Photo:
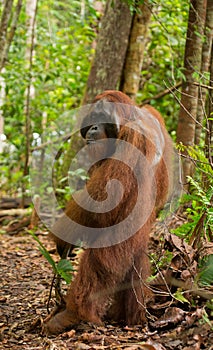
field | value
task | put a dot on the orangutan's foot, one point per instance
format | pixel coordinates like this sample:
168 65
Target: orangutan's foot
60 323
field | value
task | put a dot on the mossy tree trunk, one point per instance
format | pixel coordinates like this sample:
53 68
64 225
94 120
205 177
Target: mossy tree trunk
134 58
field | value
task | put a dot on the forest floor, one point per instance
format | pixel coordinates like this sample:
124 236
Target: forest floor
25 280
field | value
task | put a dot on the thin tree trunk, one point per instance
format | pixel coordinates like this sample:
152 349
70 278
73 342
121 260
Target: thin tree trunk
135 53
12 31
1 133
2 100
31 9
10 35
209 132
5 18
206 54
192 65
111 49
5 42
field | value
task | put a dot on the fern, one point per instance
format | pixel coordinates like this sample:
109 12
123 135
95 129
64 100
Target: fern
200 197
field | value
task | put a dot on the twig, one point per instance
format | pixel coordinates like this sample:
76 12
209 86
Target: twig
185 109
203 86
161 94
57 282
193 288
43 145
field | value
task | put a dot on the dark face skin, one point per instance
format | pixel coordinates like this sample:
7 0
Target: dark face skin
96 132
99 145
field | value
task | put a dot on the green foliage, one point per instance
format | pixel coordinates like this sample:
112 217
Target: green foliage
63 268
179 295
66 188
205 276
199 201
133 5
62 56
205 317
163 60
162 261
199 205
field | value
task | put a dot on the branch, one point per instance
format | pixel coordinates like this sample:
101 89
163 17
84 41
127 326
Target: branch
203 86
43 145
161 94
169 90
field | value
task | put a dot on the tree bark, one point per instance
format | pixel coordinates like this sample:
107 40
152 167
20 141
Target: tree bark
5 18
31 11
206 54
192 65
11 33
209 132
111 49
135 53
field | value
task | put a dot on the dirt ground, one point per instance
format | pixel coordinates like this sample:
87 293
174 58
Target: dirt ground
25 279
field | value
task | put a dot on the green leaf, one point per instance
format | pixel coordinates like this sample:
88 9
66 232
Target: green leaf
206 275
44 252
206 319
48 257
65 270
178 295
64 265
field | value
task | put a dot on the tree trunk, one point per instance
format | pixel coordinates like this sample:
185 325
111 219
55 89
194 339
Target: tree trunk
5 18
111 49
5 42
134 59
206 54
1 133
209 132
192 65
31 10
2 100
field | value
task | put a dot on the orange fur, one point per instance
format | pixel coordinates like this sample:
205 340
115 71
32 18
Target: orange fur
111 281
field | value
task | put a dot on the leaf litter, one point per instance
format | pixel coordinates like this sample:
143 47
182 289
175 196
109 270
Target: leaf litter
178 319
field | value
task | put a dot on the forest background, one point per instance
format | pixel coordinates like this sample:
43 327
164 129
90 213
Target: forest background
57 55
